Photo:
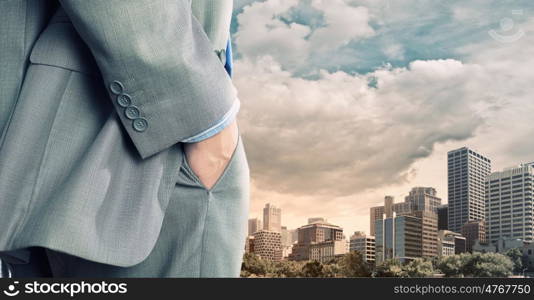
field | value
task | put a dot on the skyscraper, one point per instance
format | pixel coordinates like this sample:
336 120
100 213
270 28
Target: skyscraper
467 171
376 213
425 203
287 241
423 199
422 203
509 204
272 218
254 225
398 237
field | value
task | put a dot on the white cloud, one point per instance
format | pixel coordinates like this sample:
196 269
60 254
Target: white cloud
263 32
340 136
335 145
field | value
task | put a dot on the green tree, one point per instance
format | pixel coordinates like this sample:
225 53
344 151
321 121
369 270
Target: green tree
254 266
389 268
332 269
451 265
287 268
352 264
488 265
418 267
516 256
313 269
476 265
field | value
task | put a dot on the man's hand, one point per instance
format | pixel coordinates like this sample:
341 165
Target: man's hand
208 158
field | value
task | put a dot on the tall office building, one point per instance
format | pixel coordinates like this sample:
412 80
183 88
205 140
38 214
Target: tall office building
509 204
421 202
429 232
364 244
268 245
388 206
424 205
376 213
474 231
287 241
467 171
398 237
387 210
254 225
423 199
315 233
272 218
443 217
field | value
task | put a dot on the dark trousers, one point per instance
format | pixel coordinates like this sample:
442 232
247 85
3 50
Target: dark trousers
38 266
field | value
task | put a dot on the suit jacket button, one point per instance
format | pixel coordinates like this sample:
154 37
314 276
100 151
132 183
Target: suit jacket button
132 112
140 124
124 100
116 87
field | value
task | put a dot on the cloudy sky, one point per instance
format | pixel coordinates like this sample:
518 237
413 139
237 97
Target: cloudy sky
345 101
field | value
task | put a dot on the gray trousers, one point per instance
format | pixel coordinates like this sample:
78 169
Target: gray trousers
203 233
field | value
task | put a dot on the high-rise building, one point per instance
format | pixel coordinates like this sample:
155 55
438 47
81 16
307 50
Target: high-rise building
402 208
294 235
421 202
467 171
287 241
286 237
474 231
272 218
424 204
314 233
364 244
254 225
423 199
387 210
398 237
268 245
509 204
388 206
376 213
443 217
316 219
429 232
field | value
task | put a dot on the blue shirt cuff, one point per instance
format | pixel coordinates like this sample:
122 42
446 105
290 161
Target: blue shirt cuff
223 123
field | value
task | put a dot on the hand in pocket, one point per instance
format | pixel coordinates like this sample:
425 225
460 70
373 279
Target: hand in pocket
209 158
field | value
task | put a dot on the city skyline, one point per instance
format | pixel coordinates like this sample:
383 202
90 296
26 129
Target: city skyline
334 119
396 200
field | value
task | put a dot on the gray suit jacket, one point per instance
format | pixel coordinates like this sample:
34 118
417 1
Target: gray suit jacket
94 99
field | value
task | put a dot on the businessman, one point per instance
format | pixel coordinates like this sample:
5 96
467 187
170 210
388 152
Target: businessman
120 152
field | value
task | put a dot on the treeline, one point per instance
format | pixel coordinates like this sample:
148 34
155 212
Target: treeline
353 265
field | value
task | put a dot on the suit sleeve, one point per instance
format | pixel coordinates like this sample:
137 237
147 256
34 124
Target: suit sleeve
158 65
